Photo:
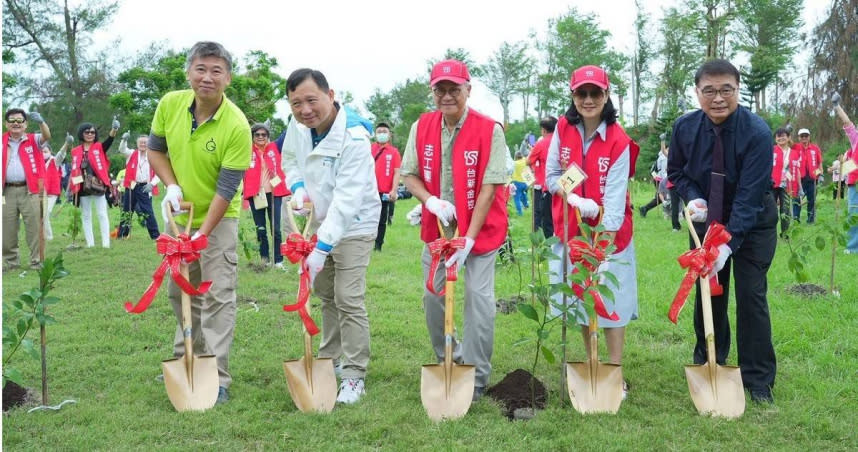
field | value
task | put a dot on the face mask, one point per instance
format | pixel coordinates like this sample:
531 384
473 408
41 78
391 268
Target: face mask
382 137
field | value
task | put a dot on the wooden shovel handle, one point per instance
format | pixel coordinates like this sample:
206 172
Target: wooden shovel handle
184 205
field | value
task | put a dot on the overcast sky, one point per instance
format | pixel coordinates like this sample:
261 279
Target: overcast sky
369 44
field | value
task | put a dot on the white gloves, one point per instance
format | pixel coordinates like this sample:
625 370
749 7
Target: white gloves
299 196
444 210
172 198
126 135
724 252
587 207
315 262
69 138
835 99
461 255
115 125
699 209
36 117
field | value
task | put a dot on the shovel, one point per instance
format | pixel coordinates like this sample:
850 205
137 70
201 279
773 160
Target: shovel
191 381
715 389
312 382
446 389
594 387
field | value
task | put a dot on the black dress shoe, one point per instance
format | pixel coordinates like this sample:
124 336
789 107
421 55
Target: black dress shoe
761 395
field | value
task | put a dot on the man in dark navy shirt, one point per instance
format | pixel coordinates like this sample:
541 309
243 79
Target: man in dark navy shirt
747 210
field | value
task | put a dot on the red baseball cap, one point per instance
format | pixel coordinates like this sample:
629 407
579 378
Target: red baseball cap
452 70
593 75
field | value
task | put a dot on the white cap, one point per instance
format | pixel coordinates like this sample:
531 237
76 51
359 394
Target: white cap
803 132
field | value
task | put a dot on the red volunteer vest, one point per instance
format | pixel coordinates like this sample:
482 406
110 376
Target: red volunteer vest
600 158
97 161
53 175
812 159
253 175
387 161
470 157
537 158
31 160
131 171
777 166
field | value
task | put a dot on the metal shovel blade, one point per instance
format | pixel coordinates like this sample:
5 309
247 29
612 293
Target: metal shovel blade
717 391
595 387
446 393
194 391
312 383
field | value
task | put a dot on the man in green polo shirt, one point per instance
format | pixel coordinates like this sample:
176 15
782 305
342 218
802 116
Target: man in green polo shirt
201 141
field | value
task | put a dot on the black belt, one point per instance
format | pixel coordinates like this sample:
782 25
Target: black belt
15 184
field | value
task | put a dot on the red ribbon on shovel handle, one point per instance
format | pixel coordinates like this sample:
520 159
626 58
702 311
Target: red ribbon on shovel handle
699 262
445 248
296 248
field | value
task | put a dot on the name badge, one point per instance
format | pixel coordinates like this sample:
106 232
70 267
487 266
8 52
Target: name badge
275 181
572 178
260 201
133 184
848 167
77 180
527 176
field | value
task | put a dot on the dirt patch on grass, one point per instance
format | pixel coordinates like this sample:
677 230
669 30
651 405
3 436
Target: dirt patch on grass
14 395
508 305
514 392
806 290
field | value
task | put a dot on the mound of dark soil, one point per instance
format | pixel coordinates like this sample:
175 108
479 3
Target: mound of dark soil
513 391
13 395
508 305
806 289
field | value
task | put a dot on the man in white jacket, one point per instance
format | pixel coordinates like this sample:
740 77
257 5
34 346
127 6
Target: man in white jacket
328 162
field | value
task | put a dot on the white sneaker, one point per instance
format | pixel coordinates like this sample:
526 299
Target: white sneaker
279 266
351 390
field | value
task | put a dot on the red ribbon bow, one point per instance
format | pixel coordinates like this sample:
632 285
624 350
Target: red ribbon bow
175 250
443 248
698 262
579 251
296 248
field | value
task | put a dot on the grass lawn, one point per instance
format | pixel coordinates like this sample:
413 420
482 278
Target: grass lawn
107 361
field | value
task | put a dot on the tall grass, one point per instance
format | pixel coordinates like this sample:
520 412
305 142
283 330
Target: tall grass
107 360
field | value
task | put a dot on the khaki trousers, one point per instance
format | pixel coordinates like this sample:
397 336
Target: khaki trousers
479 311
341 285
212 314
19 202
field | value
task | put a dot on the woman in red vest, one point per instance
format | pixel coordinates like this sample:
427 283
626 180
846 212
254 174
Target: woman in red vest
264 180
781 175
87 159
589 136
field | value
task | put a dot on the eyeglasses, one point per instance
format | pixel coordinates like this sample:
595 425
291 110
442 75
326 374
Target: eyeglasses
441 92
725 92
582 95
16 121
89 132
263 135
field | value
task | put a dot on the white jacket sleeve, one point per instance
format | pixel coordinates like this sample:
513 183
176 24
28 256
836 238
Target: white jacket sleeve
354 179
552 164
288 157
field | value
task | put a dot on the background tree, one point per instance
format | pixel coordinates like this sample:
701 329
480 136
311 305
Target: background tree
768 30
715 17
401 107
682 52
507 73
71 80
643 56
462 55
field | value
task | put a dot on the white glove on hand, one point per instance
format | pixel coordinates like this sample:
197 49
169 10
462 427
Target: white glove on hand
126 135
147 188
315 262
69 138
444 210
835 99
115 125
36 117
587 207
461 255
724 252
171 200
298 199
699 210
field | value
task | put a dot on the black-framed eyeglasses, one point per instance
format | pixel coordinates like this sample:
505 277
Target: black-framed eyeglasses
16 120
89 132
441 92
595 94
725 92
261 134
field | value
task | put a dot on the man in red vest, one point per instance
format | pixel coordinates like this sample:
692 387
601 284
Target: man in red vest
23 178
140 184
541 195
455 164
811 169
387 162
